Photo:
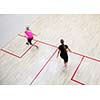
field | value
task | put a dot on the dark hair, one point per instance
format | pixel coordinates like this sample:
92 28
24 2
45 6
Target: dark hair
27 28
62 41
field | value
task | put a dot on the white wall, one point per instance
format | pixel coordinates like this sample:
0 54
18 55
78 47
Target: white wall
12 24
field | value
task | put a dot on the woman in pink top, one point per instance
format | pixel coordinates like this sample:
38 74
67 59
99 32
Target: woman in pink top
29 36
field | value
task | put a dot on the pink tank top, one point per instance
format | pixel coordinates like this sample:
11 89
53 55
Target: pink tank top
29 34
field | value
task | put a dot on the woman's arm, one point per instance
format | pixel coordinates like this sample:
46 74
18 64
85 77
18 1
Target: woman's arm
58 53
22 35
69 50
34 34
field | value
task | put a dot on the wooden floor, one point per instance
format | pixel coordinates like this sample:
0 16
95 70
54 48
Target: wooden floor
27 65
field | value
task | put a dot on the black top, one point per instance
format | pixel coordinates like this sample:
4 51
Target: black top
63 48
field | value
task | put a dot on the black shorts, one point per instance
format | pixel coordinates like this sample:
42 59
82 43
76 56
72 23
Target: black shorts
64 57
30 40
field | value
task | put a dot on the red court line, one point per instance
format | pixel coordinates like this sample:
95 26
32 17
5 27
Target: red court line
78 82
10 53
40 41
43 66
27 50
76 71
17 55
70 52
86 56
46 43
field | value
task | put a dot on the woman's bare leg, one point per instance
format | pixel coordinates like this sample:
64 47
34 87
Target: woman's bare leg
65 63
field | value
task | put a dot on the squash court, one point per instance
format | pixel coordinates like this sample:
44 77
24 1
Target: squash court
21 64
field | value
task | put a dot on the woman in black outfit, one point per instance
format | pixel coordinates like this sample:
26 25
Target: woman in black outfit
63 52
